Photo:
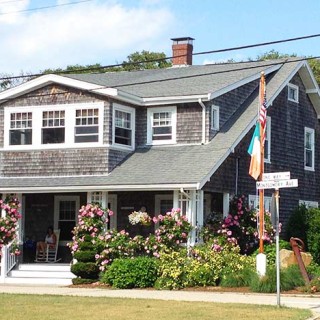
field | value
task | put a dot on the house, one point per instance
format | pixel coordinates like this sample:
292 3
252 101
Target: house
162 138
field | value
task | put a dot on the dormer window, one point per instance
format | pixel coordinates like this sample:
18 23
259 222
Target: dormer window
162 125
293 92
214 117
123 126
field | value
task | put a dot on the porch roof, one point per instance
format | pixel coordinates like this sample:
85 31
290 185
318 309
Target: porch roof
166 167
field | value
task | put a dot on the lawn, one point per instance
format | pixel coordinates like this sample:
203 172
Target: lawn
36 307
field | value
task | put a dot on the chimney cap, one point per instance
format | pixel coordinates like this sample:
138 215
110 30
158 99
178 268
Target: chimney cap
182 40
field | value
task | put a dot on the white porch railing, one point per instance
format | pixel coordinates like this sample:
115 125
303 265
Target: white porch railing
8 261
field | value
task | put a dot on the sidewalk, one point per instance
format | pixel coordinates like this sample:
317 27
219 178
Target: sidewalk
293 301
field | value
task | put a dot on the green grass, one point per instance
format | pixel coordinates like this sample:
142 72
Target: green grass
36 307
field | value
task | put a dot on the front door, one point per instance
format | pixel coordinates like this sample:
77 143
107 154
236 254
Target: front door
66 210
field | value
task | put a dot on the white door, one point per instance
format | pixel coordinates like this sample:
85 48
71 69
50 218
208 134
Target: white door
66 210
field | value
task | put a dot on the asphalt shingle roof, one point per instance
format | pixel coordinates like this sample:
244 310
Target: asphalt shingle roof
187 164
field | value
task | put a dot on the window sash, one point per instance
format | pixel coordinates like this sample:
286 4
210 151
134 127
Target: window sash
123 126
86 125
162 125
309 148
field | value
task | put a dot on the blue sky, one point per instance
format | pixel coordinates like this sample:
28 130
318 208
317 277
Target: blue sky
107 31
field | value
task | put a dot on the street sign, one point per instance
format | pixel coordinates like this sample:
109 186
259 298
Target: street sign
276 176
273 184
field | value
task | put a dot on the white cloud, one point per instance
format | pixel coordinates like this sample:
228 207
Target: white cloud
82 34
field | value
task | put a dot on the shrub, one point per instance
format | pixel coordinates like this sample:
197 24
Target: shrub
140 272
297 224
289 279
85 270
313 270
242 278
203 267
313 233
78 281
85 256
240 226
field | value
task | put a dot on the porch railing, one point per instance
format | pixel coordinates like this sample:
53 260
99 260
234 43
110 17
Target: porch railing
8 261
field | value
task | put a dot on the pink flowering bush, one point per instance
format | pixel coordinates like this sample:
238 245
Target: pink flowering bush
9 223
84 246
240 226
173 229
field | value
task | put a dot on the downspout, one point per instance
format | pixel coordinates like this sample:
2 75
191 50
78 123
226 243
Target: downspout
203 140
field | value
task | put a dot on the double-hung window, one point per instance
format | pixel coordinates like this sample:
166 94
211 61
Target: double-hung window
53 127
293 92
309 149
123 126
20 128
162 125
214 117
87 125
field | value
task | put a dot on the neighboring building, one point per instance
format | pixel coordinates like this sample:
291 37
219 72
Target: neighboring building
162 138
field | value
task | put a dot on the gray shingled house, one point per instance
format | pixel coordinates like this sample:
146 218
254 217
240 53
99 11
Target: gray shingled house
162 138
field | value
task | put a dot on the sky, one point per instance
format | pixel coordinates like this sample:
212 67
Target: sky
107 31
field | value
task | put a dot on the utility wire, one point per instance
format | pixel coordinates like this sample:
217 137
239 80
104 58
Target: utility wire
172 78
42 8
166 58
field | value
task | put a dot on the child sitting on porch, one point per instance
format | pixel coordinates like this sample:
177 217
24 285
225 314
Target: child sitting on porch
50 239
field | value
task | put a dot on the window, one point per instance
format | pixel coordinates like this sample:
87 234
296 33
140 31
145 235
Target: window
308 149
267 142
293 92
43 127
87 125
123 126
20 128
53 130
162 125
254 202
309 204
214 117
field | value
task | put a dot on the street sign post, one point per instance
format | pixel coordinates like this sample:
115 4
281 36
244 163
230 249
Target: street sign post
276 180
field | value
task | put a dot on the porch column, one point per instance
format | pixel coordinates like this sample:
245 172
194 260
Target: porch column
176 199
3 254
20 231
226 203
200 212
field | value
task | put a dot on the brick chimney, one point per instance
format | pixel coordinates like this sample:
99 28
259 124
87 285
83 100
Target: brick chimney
182 51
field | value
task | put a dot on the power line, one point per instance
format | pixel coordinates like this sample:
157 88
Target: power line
176 78
166 58
42 8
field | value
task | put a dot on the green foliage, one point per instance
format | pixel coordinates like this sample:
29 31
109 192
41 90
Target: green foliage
290 278
313 270
270 250
85 256
314 285
315 66
78 281
86 270
272 55
140 272
242 278
203 267
297 224
313 233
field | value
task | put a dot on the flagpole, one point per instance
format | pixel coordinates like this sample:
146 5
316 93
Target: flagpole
261 191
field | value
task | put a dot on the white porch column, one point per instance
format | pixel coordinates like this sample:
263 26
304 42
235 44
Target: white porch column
176 199
226 203
3 256
20 231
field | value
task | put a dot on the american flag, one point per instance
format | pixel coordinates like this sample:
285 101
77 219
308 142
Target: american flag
263 110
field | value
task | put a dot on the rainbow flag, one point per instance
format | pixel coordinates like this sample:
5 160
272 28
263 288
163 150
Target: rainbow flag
255 151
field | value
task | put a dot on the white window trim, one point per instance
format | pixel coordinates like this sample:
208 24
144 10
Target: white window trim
309 204
310 130
296 88
132 111
268 137
70 116
215 125
150 113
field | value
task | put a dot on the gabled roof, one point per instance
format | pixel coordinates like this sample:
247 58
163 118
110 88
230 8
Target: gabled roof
175 167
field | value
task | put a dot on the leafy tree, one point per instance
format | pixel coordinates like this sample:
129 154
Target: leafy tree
315 66
273 55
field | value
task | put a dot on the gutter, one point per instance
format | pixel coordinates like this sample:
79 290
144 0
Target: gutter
203 140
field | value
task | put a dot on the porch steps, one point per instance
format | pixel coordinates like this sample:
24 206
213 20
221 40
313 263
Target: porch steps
41 273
